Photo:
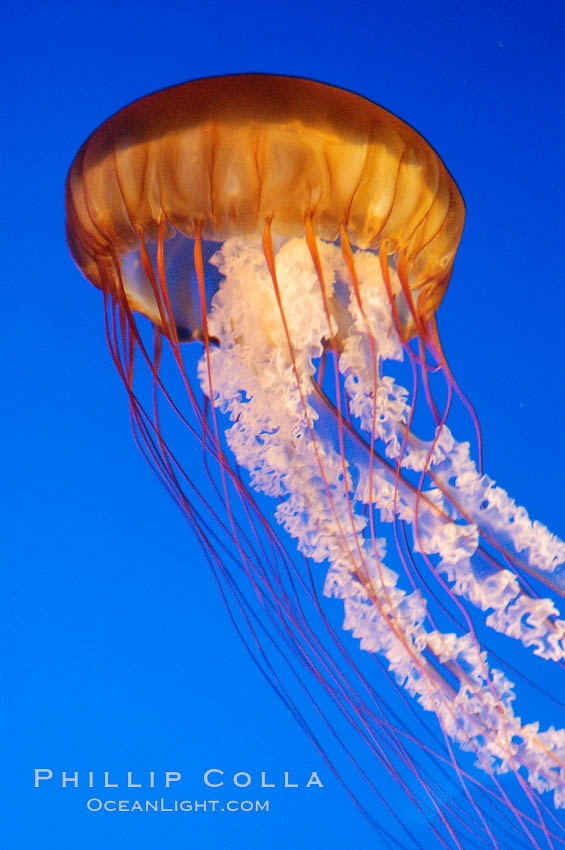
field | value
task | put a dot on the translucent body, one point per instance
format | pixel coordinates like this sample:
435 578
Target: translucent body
305 236
230 153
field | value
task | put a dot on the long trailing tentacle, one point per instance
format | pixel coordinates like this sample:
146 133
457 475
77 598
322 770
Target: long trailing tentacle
289 431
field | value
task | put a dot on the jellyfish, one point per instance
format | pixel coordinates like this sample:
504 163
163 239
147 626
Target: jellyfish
272 252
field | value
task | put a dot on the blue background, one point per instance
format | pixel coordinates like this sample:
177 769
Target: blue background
119 654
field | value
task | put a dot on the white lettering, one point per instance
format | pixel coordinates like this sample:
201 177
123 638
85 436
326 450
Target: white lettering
73 778
314 780
246 781
288 784
264 783
41 774
171 776
107 783
94 804
207 778
131 783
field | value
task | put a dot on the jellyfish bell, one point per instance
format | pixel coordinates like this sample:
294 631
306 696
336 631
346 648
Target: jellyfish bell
225 156
305 238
